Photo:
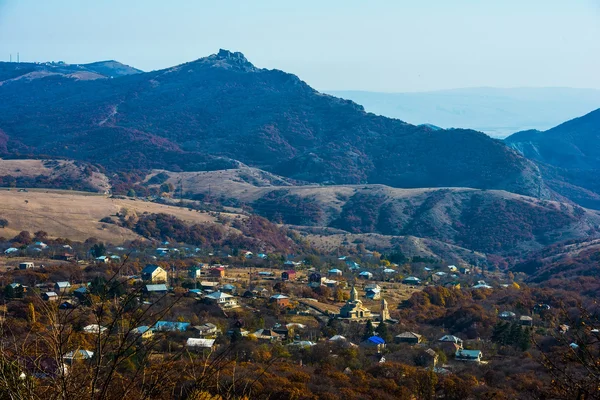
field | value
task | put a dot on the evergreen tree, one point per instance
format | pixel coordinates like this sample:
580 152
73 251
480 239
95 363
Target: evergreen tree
500 333
525 342
382 331
9 292
369 330
515 334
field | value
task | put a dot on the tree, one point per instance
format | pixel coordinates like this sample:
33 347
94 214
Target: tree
9 292
131 193
3 223
382 331
369 330
98 250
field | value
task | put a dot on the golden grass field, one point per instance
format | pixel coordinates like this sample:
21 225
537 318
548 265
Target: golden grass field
76 215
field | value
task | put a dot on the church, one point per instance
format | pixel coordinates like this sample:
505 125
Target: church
354 309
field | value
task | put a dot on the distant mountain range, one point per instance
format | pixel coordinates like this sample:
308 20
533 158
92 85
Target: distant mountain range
10 72
568 156
218 110
496 111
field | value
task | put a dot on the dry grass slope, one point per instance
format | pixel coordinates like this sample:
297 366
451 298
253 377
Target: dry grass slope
76 215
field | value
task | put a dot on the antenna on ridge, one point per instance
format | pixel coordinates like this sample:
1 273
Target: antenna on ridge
10 57
18 57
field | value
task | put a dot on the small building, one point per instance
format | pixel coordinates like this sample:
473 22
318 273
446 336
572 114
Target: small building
143 332
207 285
168 326
221 299
267 334
78 355
507 315
102 259
373 292
62 286
526 320
374 342
408 337
289 275
411 280
482 285
26 265
65 257
280 299
153 273
468 355
218 272
159 288
452 268
50 296
229 288
465 271
194 272
365 275
451 339
207 329
334 272
94 328
200 344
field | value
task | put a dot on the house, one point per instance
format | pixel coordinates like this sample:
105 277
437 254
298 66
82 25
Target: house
207 285
541 307
154 273
94 328
200 344
194 272
334 272
482 285
160 288
330 283
507 315
280 299
194 293
78 355
450 339
289 275
365 275
408 337
62 286
374 342
102 259
11 250
206 329
218 272
452 268
143 332
168 326
221 299
430 357
228 288
465 271
352 265
373 292
267 334
526 320
81 292
26 265
67 305
468 355
389 271
65 257
411 280
49 296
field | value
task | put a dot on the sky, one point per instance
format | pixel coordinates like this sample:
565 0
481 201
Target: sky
374 45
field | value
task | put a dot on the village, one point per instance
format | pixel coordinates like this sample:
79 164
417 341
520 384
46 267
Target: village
261 298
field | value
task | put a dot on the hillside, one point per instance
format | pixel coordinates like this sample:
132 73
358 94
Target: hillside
25 72
568 156
76 215
498 112
484 220
52 174
214 112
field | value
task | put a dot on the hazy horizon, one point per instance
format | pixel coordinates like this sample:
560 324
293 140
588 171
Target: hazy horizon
390 46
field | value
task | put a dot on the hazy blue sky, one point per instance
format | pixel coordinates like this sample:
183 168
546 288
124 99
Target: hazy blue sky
381 45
